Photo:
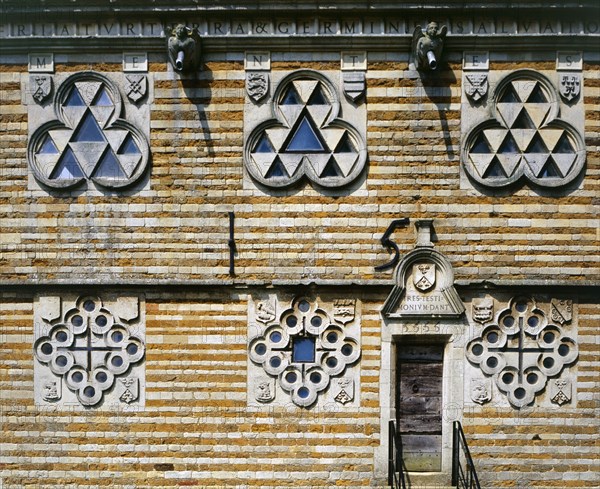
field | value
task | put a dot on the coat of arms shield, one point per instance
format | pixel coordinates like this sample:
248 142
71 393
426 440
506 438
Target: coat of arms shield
424 276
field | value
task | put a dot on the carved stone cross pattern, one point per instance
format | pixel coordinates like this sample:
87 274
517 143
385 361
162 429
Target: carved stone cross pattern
522 350
89 349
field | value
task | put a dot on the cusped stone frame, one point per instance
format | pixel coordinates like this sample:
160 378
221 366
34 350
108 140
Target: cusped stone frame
525 139
304 350
88 140
90 349
305 137
521 350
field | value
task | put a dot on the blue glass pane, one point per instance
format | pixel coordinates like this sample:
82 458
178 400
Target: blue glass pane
88 131
305 139
264 145
129 147
331 169
509 96
102 98
67 168
303 392
318 97
277 170
74 99
508 146
345 145
537 145
495 170
48 148
564 145
537 96
291 97
523 121
303 350
549 171
481 145
109 167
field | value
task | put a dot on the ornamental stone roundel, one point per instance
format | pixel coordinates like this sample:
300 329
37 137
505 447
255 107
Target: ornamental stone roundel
304 350
525 138
521 350
88 140
305 137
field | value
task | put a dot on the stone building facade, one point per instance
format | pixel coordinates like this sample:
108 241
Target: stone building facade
238 238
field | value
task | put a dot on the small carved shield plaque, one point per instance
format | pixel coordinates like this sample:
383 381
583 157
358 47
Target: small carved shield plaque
354 84
424 276
570 86
41 87
562 311
265 312
481 390
476 86
343 390
560 391
257 85
265 390
483 310
344 310
128 389
136 87
52 390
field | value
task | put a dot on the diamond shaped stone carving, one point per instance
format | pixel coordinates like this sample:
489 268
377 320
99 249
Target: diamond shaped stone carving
522 351
88 141
526 139
304 349
306 137
88 349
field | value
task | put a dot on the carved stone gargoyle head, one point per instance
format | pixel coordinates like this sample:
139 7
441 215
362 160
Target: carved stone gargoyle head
427 46
184 49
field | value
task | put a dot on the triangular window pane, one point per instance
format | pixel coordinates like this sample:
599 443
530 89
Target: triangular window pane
331 169
264 145
305 139
537 96
523 121
564 146
537 145
495 170
550 170
48 147
291 97
277 170
67 167
508 146
345 145
102 98
481 145
509 96
109 167
88 131
129 147
318 97
74 99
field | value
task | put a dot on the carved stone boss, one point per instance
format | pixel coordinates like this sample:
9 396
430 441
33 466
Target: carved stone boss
521 351
90 349
305 351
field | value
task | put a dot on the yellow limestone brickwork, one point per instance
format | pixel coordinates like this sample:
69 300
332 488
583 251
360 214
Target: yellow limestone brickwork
196 428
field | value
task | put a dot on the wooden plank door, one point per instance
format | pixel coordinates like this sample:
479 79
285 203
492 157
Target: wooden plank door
419 405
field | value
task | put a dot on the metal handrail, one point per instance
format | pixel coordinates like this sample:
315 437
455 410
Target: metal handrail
463 478
396 478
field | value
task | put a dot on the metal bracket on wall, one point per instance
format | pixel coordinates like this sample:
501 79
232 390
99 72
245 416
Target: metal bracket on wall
386 242
231 244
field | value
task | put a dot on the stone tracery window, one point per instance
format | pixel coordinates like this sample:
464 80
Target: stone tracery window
87 139
305 350
305 137
89 349
526 137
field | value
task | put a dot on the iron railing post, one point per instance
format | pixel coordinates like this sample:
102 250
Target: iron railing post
455 454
